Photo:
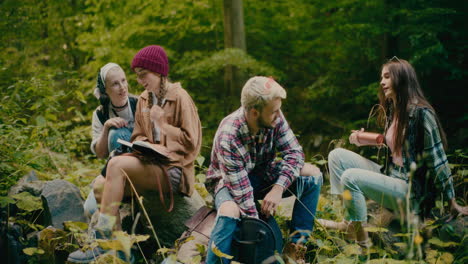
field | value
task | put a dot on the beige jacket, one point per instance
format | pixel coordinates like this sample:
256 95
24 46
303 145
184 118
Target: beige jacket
183 135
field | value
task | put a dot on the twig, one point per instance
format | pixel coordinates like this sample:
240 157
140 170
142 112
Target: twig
140 201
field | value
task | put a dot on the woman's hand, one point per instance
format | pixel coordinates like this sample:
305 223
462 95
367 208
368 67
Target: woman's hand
456 209
353 137
157 114
116 122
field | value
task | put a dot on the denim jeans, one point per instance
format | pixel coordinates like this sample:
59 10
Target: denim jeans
363 179
90 205
306 189
118 133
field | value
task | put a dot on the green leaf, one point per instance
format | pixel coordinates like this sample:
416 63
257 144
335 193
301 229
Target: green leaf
200 160
75 226
4 201
80 96
201 178
436 241
321 162
41 121
375 229
27 202
165 250
218 252
33 251
352 249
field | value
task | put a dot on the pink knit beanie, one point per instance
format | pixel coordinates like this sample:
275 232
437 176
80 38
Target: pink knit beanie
152 58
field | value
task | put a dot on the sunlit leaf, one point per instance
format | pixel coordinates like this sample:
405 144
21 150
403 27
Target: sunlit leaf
352 249
375 229
218 252
321 162
436 241
196 260
400 244
200 160
75 226
27 201
33 251
201 178
165 250
201 249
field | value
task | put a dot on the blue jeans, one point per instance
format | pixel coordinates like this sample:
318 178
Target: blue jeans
90 205
118 133
306 189
362 178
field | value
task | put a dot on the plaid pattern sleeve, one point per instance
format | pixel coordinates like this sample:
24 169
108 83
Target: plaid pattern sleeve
235 176
435 155
290 153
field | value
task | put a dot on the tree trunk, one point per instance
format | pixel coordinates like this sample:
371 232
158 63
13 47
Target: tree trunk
234 37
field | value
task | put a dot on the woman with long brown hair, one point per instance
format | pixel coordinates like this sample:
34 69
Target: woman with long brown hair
417 164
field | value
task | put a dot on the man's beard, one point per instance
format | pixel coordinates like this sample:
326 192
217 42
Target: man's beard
263 124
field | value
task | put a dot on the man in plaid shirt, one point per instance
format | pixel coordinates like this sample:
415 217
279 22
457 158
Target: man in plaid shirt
256 156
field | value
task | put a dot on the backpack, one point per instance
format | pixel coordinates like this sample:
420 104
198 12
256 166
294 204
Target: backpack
103 112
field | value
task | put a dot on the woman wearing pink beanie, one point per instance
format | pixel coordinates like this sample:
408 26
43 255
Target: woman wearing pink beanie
165 117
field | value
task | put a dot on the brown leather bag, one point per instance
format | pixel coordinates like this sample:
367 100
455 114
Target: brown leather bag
199 227
202 221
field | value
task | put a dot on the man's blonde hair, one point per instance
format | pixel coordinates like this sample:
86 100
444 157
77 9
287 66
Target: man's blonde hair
259 90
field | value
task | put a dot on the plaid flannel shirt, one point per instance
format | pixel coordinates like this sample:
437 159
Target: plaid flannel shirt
433 150
434 154
236 155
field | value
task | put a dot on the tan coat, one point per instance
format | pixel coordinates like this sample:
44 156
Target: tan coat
183 135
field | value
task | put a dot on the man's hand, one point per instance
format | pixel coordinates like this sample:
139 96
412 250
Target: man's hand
272 200
456 210
116 122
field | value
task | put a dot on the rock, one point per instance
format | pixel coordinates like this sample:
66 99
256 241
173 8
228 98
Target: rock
455 230
62 202
168 226
12 252
28 183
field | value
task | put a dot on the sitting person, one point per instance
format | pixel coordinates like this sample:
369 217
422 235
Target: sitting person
165 116
245 168
416 141
112 120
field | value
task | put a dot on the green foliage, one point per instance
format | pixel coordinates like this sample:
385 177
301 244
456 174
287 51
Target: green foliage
27 202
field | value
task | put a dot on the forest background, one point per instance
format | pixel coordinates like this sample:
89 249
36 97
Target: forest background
327 54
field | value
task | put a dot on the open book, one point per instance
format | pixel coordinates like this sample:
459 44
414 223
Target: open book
146 148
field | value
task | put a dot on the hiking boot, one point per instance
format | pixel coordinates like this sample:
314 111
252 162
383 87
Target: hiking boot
365 246
294 253
89 255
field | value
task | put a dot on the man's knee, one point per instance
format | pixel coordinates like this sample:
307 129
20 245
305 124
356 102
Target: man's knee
229 208
309 170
